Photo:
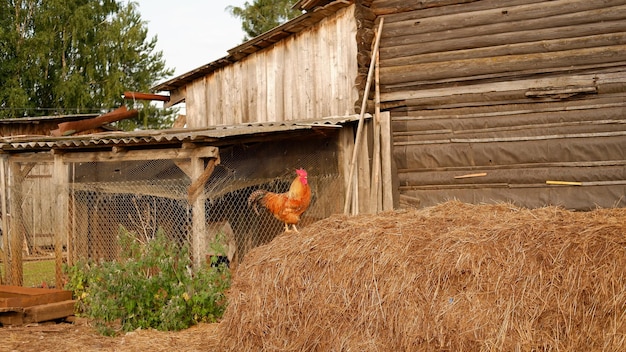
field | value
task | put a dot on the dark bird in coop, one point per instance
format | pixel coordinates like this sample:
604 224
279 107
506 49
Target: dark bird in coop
286 207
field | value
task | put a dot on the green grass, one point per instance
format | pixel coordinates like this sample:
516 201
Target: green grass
36 272
39 271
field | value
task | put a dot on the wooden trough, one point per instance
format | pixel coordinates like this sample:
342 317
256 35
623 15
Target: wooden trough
23 305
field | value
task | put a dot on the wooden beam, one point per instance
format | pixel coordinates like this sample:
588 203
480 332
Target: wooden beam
146 96
134 155
197 186
176 96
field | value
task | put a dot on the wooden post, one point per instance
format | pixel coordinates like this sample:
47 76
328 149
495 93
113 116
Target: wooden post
387 154
198 216
6 259
368 84
376 185
60 181
16 226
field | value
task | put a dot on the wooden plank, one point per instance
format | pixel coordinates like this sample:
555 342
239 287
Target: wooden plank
50 311
132 155
363 178
386 167
18 296
376 184
13 316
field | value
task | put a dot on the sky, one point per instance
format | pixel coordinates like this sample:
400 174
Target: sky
191 33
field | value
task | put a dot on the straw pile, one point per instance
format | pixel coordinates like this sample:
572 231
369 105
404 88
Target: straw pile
454 277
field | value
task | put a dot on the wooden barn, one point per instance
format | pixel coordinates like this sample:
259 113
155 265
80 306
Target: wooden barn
477 100
520 101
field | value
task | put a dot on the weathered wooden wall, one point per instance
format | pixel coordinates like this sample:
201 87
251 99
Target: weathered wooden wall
524 91
308 75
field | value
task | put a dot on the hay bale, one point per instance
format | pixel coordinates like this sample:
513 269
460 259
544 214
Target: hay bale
454 277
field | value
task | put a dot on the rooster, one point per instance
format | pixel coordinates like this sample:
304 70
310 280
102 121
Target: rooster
286 207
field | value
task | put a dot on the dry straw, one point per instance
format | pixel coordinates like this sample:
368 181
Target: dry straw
454 277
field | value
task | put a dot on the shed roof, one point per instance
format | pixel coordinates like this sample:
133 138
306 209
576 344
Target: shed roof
216 136
260 42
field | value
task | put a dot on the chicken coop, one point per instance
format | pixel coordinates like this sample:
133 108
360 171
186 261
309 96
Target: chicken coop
191 186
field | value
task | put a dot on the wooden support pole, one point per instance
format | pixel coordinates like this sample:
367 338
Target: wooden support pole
60 180
6 259
387 155
357 142
16 226
198 216
376 185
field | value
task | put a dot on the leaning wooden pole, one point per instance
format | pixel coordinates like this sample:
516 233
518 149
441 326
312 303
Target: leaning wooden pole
357 142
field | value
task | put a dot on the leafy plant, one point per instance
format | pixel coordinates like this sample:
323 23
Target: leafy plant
151 285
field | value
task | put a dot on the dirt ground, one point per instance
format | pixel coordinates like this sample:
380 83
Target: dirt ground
81 336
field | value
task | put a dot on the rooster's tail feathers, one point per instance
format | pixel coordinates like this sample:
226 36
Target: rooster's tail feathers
255 197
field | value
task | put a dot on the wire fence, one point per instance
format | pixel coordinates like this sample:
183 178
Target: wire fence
148 197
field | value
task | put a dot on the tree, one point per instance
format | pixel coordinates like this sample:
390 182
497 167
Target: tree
75 56
263 15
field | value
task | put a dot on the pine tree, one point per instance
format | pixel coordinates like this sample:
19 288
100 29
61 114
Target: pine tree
75 56
263 15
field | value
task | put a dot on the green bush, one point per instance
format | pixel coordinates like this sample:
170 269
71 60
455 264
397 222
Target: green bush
151 285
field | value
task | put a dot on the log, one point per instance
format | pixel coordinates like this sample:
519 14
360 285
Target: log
607 82
585 40
393 6
469 68
512 16
459 7
497 30
146 96
389 52
72 127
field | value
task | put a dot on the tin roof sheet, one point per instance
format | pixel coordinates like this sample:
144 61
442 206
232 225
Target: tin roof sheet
212 135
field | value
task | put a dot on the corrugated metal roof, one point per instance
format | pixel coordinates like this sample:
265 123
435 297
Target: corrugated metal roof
215 135
258 43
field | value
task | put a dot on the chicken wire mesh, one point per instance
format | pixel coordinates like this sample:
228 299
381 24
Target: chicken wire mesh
145 197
